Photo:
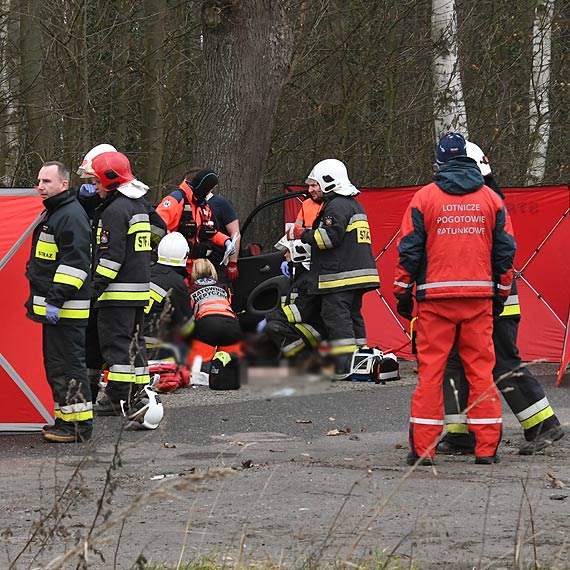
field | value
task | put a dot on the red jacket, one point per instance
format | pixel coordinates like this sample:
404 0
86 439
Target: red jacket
456 241
182 214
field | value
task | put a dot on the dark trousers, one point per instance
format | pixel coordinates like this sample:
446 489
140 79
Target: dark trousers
121 339
217 330
521 389
64 363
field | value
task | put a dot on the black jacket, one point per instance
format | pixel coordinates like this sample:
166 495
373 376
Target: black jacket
58 268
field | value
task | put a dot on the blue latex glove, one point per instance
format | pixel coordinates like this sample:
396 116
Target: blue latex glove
87 190
52 314
230 247
285 269
261 325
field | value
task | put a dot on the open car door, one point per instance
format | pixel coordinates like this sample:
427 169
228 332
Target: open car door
259 262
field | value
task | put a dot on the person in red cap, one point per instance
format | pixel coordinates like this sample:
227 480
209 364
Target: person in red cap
186 211
457 247
120 283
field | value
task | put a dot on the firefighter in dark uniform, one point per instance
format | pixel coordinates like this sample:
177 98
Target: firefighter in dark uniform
186 211
121 277
342 262
168 313
520 388
58 272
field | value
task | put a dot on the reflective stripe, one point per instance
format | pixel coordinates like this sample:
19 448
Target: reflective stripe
403 285
69 309
157 294
70 276
505 287
426 421
108 268
121 373
171 260
322 239
456 284
357 225
538 418
364 280
456 428
139 227
343 349
484 421
309 333
74 416
292 313
46 248
511 310
455 418
533 409
293 348
126 292
187 328
142 375
110 264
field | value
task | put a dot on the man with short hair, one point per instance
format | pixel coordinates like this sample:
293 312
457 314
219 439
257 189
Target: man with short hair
58 271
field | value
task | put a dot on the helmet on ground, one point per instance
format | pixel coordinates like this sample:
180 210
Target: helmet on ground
173 250
86 168
474 152
146 410
113 169
331 176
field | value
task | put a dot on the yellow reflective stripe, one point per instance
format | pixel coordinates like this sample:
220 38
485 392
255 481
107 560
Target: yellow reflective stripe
124 296
188 327
548 412
63 313
139 227
143 379
46 250
106 272
121 376
74 416
149 306
307 334
456 428
288 313
356 225
350 281
293 348
68 280
319 240
343 349
510 310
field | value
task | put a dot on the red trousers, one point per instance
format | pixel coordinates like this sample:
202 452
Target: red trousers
440 322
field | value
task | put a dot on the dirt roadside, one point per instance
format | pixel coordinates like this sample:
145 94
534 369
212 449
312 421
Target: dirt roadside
281 489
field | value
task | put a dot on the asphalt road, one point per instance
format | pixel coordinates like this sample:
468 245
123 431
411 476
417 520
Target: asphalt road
287 471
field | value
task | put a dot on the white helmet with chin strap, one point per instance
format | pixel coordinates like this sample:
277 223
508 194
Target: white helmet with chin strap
475 153
146 410
332 176
86 168
173 250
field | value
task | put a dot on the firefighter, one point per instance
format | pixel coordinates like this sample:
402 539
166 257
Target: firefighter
168 313
456 246
520 388
214 323
186 211
342 262
121 276
58 272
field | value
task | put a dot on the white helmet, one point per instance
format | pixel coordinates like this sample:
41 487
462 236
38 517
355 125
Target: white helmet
331 175
173 250
86 168
300 252
146 410
475 153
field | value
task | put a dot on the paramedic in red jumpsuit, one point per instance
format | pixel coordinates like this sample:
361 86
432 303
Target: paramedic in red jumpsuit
456 245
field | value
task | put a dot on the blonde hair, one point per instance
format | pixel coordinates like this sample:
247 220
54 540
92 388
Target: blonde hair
203 268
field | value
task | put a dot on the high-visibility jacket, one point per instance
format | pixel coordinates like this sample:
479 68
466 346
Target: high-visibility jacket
308 213
58 268
182 214
121 264
341 247
208 297
456 238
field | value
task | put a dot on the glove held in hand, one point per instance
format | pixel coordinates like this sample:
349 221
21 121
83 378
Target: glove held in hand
52 314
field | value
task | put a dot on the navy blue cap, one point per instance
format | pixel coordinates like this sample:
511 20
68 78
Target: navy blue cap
450 145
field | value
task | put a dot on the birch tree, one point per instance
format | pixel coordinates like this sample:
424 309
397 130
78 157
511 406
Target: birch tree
539 117
449 104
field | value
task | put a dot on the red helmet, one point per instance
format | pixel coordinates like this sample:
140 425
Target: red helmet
113 169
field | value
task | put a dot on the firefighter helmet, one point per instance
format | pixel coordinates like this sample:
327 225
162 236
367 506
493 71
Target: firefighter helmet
86 168
146 411
113 169
475 153
173 250
331 175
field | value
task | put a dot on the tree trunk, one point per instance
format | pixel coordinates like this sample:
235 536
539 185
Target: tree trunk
9 143
449 105
248 49
539 119
152 108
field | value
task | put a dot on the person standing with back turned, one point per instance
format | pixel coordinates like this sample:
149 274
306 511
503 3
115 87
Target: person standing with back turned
456 245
